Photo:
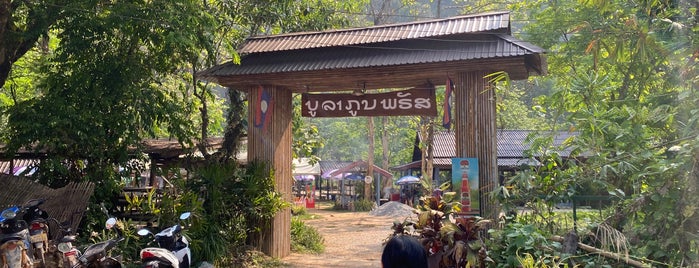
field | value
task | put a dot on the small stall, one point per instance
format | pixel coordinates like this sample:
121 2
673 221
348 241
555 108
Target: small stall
348 183
305 175
408 189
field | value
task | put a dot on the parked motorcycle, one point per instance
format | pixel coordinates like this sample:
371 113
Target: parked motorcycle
173 250
96 256
38 229
14 240
69 253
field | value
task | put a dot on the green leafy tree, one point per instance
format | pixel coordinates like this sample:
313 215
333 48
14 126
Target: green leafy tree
625 78
104 91
238 20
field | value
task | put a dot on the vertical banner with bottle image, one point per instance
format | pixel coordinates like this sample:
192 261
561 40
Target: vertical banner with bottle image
464 180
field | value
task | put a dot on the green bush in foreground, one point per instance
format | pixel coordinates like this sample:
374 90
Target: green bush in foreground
305 238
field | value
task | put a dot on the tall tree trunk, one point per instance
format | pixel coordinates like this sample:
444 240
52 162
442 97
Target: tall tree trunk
426 165
430 159
204 112
423 145
16 41
235 126
384 154
370 158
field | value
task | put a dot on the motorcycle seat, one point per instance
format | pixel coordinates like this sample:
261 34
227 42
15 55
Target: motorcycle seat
68 238
8 238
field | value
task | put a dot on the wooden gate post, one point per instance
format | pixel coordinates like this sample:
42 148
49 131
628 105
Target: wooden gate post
476 132
269 140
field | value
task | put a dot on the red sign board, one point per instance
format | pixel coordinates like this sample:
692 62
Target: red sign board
415 101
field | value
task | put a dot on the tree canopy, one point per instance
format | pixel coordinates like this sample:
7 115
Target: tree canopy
90 79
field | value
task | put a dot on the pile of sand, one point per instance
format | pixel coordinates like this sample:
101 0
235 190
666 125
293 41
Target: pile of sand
393 209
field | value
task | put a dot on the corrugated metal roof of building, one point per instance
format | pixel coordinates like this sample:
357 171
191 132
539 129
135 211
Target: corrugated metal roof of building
445 163
5 165
326 166
510 143
486 22
404 52
360 166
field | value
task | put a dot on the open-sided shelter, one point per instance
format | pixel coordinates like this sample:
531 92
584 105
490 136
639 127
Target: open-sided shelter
463 48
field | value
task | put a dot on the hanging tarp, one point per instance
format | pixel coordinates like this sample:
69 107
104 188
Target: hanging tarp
303 167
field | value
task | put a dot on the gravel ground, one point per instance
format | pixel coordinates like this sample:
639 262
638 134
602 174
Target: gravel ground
352 239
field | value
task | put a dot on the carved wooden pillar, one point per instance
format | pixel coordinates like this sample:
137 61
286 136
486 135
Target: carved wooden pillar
475 132
269 140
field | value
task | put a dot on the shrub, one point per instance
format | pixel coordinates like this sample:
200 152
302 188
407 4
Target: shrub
516 240
237 204
298 210
363 205
305 238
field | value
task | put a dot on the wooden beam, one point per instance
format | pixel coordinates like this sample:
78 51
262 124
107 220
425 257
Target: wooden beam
606 254
402 76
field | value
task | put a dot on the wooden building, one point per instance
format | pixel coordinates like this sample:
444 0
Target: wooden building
512 152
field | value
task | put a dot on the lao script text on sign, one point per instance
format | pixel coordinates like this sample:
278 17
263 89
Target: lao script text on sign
416 101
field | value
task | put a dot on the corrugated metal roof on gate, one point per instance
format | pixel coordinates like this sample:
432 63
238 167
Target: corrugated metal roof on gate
478 46
486 22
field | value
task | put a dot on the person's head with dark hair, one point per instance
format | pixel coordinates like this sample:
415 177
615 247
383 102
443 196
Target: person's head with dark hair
404 251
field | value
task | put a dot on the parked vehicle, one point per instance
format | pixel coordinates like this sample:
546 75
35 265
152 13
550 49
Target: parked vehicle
38 229
69 253
173 250
14 240
97 255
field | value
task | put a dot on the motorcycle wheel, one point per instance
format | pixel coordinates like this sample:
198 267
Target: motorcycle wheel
41 258
185 262
110 263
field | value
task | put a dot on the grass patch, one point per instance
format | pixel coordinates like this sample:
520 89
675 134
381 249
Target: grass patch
301 213
304 238
249 258
564 218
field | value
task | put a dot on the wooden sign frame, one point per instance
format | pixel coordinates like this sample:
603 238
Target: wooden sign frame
415 101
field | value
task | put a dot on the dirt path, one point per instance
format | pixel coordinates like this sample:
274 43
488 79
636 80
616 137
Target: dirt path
352 240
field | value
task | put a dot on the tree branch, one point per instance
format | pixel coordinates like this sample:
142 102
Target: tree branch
605 254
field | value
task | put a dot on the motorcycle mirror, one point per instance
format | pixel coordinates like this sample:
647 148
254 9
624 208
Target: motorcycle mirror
110 223
64 247
185 215
143 232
